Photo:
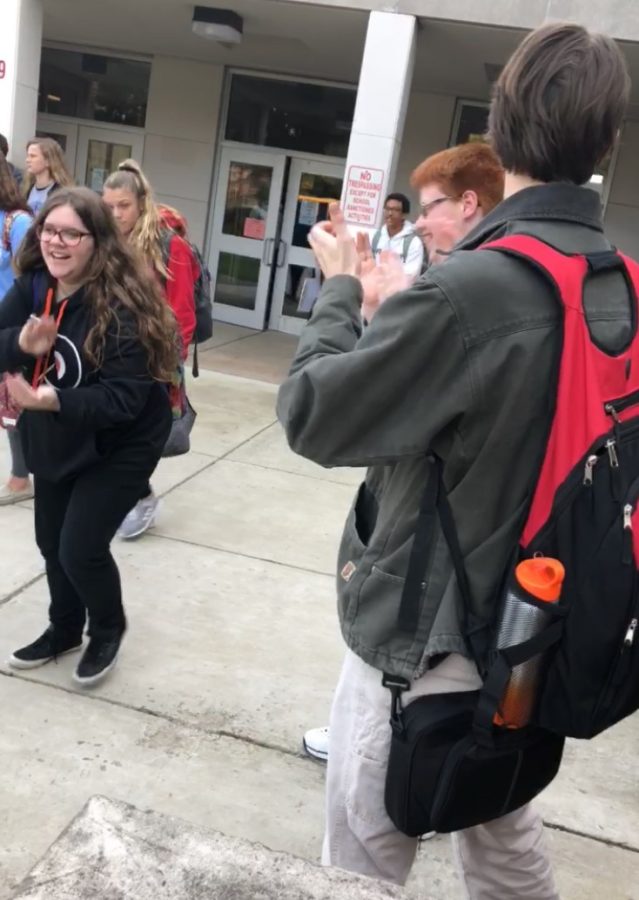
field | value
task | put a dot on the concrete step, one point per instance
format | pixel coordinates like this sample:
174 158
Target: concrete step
113 850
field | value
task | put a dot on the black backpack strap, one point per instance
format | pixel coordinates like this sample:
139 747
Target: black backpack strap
195 368
604 260
434 505
420 554
499 674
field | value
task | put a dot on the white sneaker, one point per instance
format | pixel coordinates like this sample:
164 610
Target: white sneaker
8 497
315 743
140 518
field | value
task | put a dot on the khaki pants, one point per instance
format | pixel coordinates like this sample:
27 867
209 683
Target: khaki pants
503 860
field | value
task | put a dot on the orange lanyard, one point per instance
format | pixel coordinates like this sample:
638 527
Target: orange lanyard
42 363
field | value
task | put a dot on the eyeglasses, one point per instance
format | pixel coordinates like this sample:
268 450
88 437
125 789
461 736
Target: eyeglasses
393 209
427 208
69 237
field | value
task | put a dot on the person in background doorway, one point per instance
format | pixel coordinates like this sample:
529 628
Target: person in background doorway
398 235
471 173
46 171
15 171
94 421
158 240
15 221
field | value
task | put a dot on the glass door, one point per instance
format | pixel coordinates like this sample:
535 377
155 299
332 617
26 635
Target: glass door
243 236
100 150
312 185
64 132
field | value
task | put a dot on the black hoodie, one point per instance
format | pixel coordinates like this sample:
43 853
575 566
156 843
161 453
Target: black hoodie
118 409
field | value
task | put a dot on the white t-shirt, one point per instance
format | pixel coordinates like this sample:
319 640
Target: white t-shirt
415 255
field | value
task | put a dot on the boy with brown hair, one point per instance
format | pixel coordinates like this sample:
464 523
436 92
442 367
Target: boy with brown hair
463 364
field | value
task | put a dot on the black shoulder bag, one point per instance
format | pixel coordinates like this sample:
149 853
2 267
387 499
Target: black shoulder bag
450 767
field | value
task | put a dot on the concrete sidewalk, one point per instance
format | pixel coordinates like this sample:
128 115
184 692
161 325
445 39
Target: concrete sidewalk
232 652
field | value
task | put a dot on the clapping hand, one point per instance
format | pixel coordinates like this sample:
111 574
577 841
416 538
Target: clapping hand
43 398
394 278
38 335
333 246
380 280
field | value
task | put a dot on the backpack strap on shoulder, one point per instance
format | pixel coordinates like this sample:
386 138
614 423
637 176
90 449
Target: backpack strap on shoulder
567 273
408 240
375 242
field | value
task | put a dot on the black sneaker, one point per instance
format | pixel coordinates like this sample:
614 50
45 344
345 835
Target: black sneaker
48 646
97 660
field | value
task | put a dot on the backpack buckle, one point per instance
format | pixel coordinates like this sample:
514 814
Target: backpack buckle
396 685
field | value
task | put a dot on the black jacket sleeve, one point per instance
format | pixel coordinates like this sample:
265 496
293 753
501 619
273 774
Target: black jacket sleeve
15 309
121 389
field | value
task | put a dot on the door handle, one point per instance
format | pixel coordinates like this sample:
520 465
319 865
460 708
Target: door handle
267 251
282 247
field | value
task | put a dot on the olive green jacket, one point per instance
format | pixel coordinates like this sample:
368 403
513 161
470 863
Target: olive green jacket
464 364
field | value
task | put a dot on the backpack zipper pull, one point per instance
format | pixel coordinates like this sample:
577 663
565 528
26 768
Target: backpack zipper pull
627 516
591 462
626 556
629 639
612 453
610 409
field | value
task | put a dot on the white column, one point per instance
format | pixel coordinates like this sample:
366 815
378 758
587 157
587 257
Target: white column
380 110
20 51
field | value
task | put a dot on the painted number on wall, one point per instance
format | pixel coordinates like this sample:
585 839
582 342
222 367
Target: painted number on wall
3 68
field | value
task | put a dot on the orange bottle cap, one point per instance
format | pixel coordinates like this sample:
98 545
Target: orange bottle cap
542 577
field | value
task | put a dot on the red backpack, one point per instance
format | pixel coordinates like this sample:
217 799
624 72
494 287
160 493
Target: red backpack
584 510
454 762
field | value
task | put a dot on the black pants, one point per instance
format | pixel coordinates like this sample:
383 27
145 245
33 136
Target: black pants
75 521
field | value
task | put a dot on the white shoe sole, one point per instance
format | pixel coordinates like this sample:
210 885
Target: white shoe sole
9 499
136 534
320 755
16 663
94 679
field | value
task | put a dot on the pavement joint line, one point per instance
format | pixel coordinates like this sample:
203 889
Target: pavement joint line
242 337
564 829
23 587
155 714
217 459
207 465
262 745
246 462
274 562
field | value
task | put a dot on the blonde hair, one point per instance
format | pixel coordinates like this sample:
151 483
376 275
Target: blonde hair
146 235
54 158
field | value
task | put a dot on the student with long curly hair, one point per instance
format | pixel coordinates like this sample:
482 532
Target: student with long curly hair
158 235
91 368
46 171
15 221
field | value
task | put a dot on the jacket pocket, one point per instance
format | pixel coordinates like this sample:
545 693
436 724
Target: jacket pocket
378 603
359 526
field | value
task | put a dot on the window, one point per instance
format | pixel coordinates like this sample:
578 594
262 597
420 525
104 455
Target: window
470 123
290 115
99 88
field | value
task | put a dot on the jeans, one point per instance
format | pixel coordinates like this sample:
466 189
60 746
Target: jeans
18 465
